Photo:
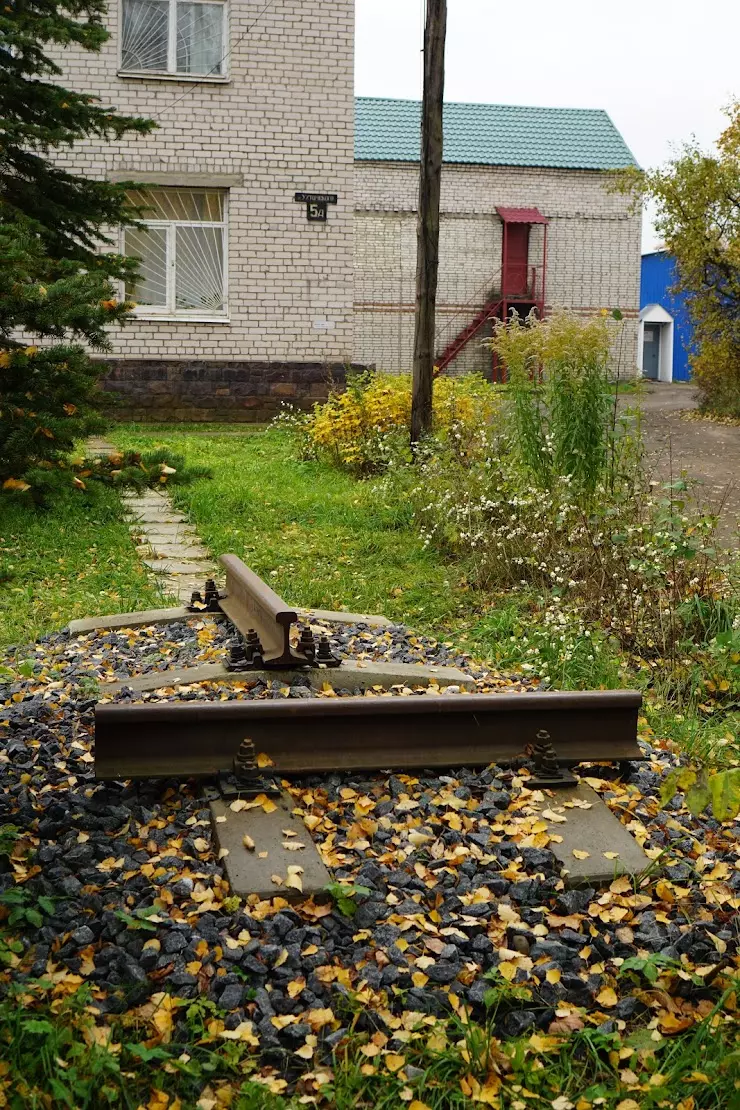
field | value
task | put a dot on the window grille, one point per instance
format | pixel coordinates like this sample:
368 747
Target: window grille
181 250
174 36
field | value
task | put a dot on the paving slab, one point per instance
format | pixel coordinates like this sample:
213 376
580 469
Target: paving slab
167 532
129 620
146 500
590 826
254 872
375 620
349 676
97 445
175 550
174 565
157 516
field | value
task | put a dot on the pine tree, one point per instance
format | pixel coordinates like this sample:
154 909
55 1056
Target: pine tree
57 286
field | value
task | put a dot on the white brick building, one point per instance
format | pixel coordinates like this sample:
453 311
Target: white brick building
572 242
244 301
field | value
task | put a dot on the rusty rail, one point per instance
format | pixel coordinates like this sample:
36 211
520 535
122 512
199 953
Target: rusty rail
363 734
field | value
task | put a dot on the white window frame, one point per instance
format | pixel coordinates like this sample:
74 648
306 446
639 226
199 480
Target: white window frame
170 311
172 73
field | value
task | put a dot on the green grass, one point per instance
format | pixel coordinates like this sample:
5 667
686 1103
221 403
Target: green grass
51 1057
74 559
319 537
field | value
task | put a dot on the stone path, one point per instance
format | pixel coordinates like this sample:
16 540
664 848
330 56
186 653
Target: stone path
166 542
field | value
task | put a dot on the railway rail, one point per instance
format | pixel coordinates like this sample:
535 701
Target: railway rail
348 734
247 745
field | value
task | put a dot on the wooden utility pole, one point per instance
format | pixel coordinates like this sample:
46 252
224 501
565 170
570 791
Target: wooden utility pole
427 250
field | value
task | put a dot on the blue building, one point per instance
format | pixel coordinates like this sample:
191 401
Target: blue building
666 333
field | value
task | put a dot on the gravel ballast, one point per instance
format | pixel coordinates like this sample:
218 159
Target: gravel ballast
447 890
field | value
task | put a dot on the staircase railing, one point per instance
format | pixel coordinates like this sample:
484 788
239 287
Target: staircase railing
480 297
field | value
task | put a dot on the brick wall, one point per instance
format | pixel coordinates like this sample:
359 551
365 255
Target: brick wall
593 258
321 295
283 122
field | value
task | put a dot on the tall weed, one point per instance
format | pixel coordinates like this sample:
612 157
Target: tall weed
564 417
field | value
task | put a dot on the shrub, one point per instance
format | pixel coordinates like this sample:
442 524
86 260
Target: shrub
630 560
365 427
716 371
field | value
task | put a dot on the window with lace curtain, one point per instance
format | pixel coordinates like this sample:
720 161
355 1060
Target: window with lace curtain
181 250
185 37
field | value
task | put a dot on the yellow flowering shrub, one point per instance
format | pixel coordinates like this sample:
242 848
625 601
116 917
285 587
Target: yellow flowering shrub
365 426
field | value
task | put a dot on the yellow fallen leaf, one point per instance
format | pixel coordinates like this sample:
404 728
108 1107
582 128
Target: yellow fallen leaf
553 975
579 853
262 855
248 843
507 970
243 1032
552 816
416 1105
318 1018
305 1052
607 997
200 844
276 879
294 880
264 760
293 845
610 855
664 891
394 1062
296 987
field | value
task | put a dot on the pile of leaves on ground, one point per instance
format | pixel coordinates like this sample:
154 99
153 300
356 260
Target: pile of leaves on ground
448 964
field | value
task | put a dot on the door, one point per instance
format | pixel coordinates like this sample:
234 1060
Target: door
651 351
517 260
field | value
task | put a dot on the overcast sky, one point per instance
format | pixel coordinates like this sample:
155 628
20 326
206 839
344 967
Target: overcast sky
662 69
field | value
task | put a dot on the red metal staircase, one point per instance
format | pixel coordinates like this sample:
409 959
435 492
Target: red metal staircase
453 349
522 286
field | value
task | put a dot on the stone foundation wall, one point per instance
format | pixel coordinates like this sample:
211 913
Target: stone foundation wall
160 391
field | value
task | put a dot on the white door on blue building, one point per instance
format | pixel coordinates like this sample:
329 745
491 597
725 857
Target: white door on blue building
651 351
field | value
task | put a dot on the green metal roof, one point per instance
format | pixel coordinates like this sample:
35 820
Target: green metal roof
493 135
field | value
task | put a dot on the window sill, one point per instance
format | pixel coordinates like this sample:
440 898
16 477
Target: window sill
162 318
183 78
